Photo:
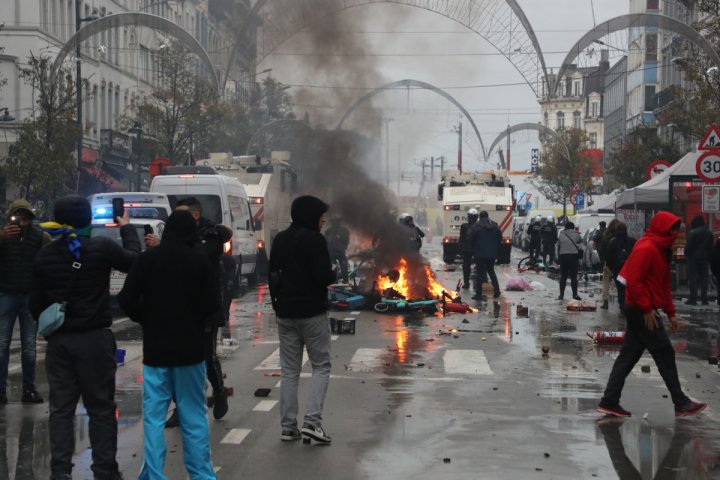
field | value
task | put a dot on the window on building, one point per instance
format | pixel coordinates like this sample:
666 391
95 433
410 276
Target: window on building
650 101
594 109
577 119
546 119
560 120
651 47
653 4
593 139
577 88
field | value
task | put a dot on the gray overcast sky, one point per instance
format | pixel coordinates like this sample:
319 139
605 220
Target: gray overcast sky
443 53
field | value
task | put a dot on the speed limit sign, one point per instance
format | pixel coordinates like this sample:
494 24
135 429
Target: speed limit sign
708 166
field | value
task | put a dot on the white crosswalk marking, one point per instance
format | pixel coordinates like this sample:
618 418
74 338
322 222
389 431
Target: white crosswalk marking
466 362
273 361
265 405
236 435
366 359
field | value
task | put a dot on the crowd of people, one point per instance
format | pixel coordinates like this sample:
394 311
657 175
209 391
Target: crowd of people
177 290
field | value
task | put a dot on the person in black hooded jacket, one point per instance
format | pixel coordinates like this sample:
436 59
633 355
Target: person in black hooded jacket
299 274
698 252
80 356
171 291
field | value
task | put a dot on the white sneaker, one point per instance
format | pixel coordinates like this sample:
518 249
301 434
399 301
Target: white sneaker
315 433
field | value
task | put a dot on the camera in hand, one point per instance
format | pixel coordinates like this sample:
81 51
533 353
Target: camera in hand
14 220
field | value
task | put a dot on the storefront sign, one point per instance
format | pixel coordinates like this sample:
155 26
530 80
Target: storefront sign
635 221
711 198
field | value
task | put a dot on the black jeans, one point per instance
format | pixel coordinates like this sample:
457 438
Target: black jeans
569 268
341 258
214 370
698 275
486 268
637 339
467 268
535 249
548 251
83 364
621 295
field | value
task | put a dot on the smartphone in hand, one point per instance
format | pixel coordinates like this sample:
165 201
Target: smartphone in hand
148 229
15 221
118 207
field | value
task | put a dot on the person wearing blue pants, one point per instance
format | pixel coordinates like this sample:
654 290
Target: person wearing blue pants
187 386
171 292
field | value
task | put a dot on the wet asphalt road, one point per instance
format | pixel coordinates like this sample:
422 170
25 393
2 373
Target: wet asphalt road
408 401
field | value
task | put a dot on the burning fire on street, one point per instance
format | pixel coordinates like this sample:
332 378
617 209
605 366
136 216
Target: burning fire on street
415 281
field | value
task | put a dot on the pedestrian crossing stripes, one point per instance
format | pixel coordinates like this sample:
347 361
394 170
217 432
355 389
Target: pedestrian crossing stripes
466 362
236 436
265 405
273 361
366 359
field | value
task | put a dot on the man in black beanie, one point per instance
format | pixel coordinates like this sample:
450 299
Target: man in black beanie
80 355
300 272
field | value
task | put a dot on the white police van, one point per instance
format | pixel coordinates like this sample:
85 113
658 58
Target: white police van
224 201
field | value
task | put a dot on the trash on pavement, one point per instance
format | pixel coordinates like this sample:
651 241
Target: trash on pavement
517 284
607 337
580 306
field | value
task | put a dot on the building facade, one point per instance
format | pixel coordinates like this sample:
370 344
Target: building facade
118 68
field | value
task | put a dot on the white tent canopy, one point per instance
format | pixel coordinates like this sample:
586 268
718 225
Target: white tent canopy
655 191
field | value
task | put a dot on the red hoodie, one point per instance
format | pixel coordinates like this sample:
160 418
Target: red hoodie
647 270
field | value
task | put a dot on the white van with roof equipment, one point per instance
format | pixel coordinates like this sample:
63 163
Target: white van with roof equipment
224 201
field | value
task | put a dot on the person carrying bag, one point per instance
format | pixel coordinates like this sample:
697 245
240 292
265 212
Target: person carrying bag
569 253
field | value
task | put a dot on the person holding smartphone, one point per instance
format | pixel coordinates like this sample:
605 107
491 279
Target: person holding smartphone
20 241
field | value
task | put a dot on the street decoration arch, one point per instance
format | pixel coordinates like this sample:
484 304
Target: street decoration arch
528 126
623 22
502 23
414 84
136 19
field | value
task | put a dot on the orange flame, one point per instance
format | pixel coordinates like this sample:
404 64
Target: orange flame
426 286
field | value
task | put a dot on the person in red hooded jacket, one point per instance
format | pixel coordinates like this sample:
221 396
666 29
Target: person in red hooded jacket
646 275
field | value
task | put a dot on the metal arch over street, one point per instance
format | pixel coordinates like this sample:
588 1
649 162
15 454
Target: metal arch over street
502 23
136 19
624 22
528 126
416 84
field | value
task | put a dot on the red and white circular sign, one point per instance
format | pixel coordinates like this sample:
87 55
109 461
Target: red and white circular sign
656 168
708 166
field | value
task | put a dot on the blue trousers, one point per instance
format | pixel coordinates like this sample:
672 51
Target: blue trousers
187 386
14 306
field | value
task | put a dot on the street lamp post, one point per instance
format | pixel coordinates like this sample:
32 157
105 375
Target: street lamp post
137 130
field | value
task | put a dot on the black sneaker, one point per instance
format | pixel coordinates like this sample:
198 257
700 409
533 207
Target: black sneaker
605 305
561 297
290 435
316 433
576 297
220 408
30 395
616 411
690 408
174 420
466 286
496 294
